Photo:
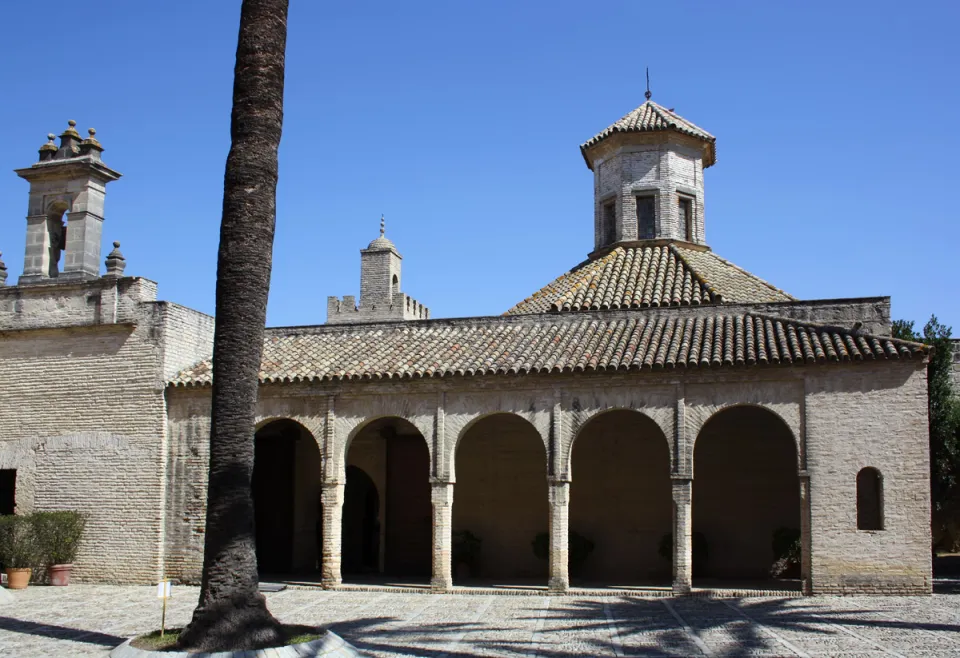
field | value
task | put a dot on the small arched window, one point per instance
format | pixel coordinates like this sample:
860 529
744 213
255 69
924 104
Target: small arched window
869 499
394 285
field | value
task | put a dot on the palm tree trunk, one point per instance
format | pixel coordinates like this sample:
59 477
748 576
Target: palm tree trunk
231 613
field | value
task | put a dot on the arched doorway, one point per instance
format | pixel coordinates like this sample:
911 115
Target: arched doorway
393 457
745 489
500 501
621 500
286 498
361 523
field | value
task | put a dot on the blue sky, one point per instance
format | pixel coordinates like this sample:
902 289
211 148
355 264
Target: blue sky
461 121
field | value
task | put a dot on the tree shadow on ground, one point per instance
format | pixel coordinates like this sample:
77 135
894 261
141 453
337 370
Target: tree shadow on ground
59 632
629 626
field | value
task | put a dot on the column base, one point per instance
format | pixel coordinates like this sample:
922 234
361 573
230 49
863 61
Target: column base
558 585
682 589
441 584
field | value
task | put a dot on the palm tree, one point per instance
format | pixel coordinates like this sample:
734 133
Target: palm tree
231 613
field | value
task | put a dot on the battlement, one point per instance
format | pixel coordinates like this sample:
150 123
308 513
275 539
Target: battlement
401 307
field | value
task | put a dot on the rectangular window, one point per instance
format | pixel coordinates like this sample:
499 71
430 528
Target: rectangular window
646 217
608 232
685 210
8 488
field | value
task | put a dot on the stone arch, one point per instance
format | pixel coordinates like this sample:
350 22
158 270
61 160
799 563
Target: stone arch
393 452
746 488
720 409
583 419
500 498
462 431
621 497
287 477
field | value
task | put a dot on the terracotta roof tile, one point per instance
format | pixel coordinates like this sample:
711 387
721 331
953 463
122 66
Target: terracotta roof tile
642 276
554 344
653 117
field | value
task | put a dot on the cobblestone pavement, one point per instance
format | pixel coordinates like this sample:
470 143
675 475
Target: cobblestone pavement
88 620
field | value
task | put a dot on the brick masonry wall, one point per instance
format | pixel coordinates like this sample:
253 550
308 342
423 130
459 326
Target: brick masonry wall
83 417
876 417
187 337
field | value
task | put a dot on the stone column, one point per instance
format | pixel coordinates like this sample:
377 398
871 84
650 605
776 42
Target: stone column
559 497
682 534
442 498
805 535
332 501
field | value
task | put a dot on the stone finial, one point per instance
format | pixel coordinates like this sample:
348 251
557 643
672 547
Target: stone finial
69 140
115 262
48 150
90 146
3 272
383 225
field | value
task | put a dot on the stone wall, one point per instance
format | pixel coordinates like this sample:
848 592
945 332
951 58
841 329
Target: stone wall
869 417
83 413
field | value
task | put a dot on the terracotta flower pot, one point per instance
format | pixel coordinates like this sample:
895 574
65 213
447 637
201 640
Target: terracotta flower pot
59 574
18 578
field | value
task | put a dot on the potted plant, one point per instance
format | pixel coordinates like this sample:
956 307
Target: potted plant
699 548
58 537
578 550
18 549
466 554
786 553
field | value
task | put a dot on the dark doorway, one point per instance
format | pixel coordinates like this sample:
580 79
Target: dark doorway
409 530
745 491
393 456
361 523
8 490
273 496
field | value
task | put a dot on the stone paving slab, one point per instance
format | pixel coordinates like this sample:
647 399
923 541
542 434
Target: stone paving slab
89 620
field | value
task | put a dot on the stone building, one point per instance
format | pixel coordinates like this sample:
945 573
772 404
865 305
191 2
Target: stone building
656 401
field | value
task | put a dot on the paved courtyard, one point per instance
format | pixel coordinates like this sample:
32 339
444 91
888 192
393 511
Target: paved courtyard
88 620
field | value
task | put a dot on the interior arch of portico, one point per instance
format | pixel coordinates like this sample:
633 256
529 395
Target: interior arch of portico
746 492
784 399
391 454
501 499
620 498
307 411
286 489
463 411
352 415
459 431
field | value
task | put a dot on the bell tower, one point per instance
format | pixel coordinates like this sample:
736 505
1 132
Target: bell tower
65 209
648 178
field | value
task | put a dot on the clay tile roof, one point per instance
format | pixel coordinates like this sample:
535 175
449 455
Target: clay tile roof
555 344
650 275
652 117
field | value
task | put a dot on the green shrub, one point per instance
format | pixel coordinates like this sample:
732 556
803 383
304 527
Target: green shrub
786 553
466 550
700 551
578 550
18 543
58 535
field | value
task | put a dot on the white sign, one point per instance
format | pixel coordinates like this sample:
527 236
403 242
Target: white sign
164 588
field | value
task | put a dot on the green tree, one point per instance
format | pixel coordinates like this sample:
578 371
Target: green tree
231 613
944 409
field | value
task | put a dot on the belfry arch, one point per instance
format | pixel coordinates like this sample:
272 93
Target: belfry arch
387 458
286 498
620 499
745 488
